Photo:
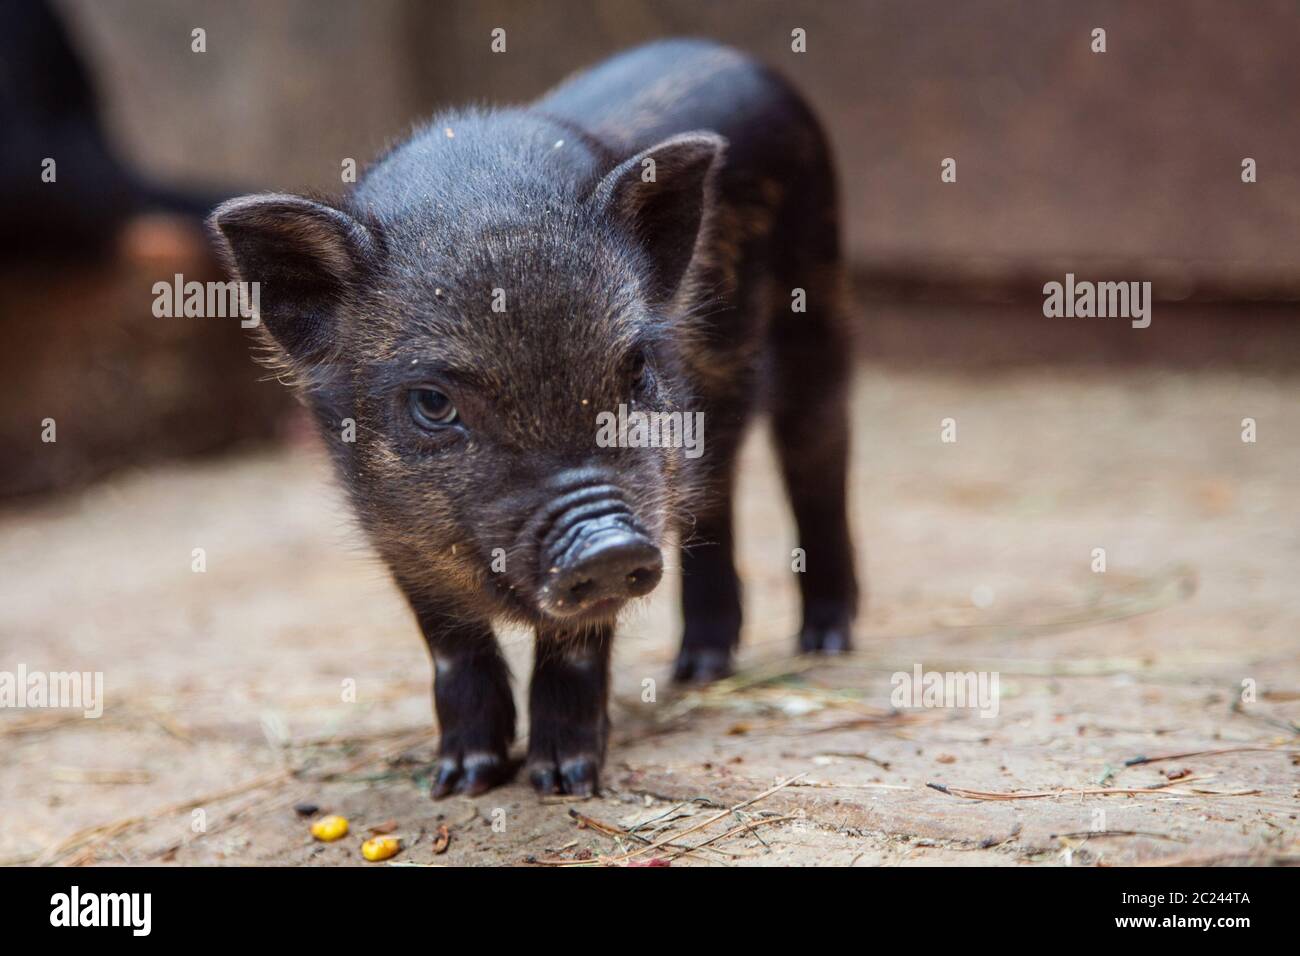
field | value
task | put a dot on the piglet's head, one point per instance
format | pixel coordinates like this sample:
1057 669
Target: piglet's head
471 339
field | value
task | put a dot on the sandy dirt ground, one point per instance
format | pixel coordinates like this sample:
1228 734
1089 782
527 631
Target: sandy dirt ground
289 672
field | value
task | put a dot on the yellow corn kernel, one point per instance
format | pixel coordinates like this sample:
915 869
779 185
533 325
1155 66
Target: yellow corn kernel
380 848
330 828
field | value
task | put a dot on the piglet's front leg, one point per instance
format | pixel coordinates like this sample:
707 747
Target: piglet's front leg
568 725
476 711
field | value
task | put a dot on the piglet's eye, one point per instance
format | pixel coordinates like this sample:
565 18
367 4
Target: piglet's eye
640 375
430 408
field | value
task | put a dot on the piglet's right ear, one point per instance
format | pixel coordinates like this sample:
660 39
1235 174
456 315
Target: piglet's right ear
305 256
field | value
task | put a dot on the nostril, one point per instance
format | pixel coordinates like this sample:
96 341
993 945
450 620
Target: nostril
643 580
582 590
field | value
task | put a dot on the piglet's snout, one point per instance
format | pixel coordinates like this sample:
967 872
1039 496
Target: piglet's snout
612 565
596 552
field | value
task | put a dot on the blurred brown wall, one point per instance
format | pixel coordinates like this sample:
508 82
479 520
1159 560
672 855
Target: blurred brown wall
1134 153
1123 165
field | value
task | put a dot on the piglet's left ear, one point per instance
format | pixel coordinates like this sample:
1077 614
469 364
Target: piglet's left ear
661 194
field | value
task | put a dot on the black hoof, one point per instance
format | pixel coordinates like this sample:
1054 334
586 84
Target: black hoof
832 638
471 774
576 776
702 666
